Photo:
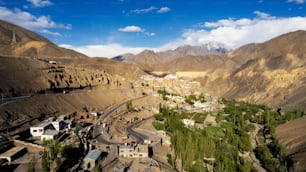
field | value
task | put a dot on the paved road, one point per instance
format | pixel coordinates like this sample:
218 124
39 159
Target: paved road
139 136
102 135
5 101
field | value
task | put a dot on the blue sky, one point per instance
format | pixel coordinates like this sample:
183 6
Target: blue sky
112 27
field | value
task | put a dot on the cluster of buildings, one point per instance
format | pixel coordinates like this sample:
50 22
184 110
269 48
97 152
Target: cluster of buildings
170 82
49 129
210 105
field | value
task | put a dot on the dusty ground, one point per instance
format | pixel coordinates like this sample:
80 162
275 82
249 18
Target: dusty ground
293 136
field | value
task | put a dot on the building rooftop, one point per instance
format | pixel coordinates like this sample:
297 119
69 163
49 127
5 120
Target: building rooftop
94 154
51 132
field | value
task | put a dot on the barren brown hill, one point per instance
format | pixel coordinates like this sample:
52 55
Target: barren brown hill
27 76
272 72
30 44
174 60
147 60
33 64
206 63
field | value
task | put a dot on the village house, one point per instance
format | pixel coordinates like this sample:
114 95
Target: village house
133 151
39 129
91 159
49 135
188 122
48 129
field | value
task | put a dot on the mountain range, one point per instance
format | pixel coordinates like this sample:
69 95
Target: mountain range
271 73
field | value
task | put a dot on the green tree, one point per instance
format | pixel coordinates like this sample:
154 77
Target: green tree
52 151
129 106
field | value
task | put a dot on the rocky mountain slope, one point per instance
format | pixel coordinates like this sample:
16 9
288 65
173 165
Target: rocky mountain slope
271 73
29 63
150 60
16 41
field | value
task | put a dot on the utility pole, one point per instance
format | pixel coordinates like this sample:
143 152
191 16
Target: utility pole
14 38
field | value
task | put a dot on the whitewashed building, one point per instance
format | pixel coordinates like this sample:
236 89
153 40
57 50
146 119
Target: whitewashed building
188 122
39 129
49 135
133 151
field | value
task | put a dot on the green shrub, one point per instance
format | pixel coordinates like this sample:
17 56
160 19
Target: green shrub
158 126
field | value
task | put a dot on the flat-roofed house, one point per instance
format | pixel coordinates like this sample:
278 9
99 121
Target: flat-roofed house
49 135
58 124
39 129
91 159
133 151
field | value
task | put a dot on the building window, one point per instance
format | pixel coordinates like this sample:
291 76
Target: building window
34 131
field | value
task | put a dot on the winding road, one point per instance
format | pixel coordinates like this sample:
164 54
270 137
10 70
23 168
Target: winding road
139 136
102 136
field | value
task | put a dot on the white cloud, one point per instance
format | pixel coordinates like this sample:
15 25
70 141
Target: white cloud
150 34
40 3
151 9
237 32
145 10
50 33
263 15
131 29
29 21
108 50
297 1
232 33
135 29
164 10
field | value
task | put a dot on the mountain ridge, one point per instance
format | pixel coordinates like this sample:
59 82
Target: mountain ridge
18 41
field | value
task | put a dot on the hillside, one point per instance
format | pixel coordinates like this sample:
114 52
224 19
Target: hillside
86 82
272 72
31 64
17 41
151 61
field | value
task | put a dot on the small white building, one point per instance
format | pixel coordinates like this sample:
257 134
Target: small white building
49 135
39 129
58 125
133 151
188 122
52 61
